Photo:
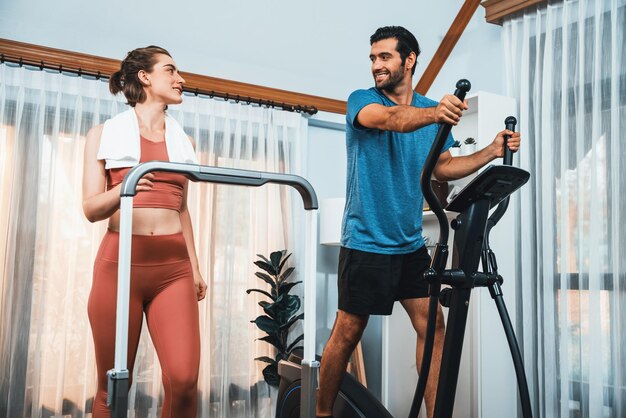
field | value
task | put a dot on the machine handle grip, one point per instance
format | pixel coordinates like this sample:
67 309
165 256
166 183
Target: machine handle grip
462 87
509 124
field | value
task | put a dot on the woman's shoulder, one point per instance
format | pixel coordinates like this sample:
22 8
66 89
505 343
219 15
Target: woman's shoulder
95 133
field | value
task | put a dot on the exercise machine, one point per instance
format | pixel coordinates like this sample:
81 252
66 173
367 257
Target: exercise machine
491 188
118 377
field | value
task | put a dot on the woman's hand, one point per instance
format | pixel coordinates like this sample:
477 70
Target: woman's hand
145 183
200 284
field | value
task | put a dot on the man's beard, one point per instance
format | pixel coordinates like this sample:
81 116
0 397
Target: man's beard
395 77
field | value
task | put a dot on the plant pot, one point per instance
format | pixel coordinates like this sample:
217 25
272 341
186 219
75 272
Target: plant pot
468 149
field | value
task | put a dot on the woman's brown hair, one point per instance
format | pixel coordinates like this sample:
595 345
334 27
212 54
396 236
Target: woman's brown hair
126 79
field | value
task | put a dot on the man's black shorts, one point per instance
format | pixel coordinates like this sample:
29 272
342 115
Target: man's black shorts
370 283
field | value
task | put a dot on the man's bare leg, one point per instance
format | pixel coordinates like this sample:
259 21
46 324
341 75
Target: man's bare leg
418 312
344 337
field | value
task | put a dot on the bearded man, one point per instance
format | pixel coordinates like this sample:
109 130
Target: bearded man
389 133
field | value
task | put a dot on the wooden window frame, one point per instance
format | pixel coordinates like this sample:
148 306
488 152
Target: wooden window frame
497 10
41 56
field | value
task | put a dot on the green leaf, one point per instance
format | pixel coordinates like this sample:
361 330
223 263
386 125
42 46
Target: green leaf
262 257
270 373
286 274
266 278
286 287
280 300
260 291
296 348
282 263
266 359
291 322
271 309
281 356
267 324
265 304
273 340
294 342
267 267
286 306
275 258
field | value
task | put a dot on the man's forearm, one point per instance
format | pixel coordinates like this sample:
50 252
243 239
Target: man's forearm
404 118
458 167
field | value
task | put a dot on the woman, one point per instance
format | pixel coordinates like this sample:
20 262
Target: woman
165 280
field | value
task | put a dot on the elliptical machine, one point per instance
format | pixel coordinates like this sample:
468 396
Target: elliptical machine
472 226
471 242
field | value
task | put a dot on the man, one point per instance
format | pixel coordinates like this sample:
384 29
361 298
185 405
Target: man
389 132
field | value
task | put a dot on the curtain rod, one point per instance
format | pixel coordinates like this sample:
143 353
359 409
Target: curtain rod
237 98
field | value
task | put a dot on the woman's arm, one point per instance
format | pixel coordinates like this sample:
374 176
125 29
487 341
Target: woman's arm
98 203
185 221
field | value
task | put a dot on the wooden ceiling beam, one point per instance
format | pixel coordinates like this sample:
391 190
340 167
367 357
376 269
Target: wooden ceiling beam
447 45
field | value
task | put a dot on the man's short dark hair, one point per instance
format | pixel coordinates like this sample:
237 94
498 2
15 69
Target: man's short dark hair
406 41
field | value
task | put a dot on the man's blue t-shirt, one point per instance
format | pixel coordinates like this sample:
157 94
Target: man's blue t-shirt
384 200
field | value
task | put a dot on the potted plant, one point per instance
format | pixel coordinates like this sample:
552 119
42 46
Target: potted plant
469 146
280 311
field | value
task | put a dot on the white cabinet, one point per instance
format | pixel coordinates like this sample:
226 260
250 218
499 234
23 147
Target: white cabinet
487 386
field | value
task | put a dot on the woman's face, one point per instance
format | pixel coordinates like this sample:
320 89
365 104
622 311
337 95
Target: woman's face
164 83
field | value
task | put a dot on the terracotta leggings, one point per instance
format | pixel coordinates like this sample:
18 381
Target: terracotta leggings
162 287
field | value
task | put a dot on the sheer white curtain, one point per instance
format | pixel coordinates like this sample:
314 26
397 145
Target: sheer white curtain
47 247
566 63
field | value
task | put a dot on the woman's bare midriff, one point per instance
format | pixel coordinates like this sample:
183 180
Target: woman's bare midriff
150 221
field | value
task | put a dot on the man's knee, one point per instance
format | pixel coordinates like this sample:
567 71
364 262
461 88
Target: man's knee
423 316
419 318
348 329
441 325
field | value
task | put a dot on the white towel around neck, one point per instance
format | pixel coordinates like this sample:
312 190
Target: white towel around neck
120 147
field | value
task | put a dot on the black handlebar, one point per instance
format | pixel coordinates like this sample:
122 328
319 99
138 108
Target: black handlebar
440 255
221 175
497 214
509 124
462 87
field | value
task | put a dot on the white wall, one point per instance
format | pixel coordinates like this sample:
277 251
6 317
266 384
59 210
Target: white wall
316 47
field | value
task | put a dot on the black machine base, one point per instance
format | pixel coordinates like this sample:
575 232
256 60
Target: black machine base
353 401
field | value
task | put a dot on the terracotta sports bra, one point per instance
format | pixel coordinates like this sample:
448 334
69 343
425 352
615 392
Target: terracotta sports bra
168 188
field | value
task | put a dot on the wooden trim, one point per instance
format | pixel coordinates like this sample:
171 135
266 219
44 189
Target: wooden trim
447 45
195 83
359 365
497 10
